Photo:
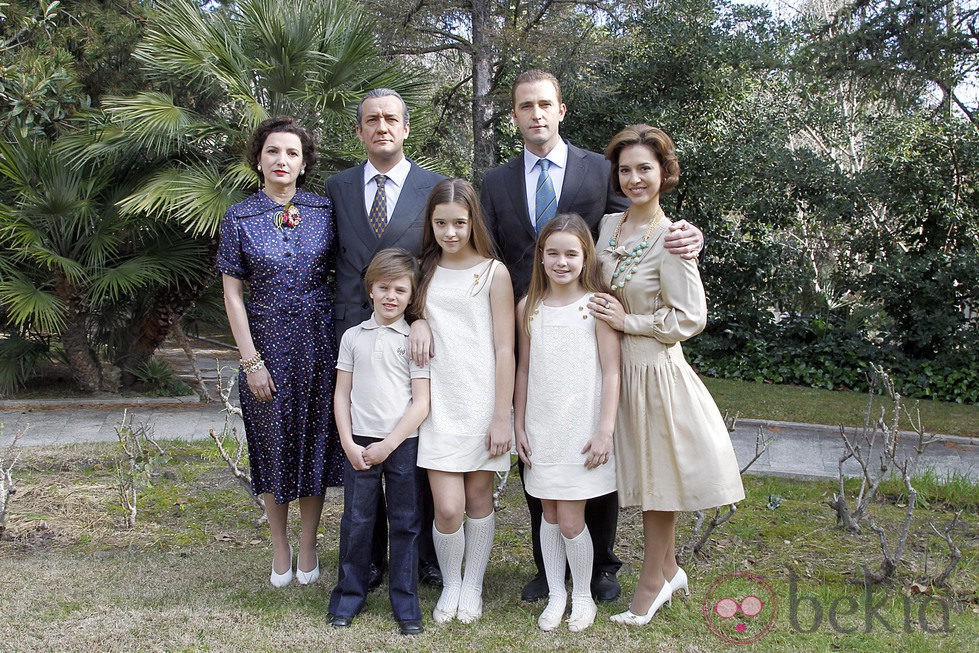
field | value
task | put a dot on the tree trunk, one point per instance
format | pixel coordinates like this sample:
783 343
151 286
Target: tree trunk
84 362
152 327
482 106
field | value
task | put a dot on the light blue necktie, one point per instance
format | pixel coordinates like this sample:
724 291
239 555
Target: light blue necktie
545 197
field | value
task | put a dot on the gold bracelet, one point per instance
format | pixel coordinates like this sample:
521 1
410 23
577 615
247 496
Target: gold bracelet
251 362
254 367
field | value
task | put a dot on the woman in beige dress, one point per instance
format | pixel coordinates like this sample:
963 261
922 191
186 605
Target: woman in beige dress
673 451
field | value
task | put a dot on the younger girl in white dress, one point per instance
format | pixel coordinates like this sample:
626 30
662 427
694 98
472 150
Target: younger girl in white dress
567 391
466 298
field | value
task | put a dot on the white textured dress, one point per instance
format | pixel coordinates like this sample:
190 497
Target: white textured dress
463 372
674 451
564 394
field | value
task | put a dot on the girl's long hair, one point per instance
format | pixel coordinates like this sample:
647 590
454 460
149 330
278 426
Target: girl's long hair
449 191
591 270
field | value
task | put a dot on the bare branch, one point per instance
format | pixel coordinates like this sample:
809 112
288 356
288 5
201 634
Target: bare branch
184 341
7 486
761 446
955 554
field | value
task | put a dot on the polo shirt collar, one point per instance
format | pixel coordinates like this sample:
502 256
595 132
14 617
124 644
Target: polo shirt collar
401 326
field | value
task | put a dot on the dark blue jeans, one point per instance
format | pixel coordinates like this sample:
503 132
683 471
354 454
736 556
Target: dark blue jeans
360 497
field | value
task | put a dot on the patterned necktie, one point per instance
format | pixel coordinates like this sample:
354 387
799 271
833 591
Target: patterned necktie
546 199
379 209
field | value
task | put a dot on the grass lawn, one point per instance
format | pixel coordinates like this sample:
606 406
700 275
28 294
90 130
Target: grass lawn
791 403
193 574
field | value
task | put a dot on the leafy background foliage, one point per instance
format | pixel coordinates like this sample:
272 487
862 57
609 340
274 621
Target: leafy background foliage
830 156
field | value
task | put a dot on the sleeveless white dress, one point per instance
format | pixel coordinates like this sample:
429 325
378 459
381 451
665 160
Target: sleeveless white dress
564 392
463 372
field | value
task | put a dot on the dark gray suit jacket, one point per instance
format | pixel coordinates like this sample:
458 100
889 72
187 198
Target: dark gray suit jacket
357 243
587 191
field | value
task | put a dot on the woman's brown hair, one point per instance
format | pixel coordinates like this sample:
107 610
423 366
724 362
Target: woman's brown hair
656 140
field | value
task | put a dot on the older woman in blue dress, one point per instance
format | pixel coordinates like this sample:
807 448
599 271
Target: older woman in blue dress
280 243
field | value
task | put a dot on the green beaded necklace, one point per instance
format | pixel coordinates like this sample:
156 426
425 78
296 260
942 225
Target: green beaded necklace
628 262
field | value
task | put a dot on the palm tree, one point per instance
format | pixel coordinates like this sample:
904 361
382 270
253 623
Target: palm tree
68 255
218 75
116 240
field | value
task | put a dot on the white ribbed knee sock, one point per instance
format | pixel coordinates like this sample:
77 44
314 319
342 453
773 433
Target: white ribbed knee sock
580 553
449 550
479 543
552 549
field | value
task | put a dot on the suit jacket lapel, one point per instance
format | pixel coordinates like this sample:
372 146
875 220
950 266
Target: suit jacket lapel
572 178
411 204
517 189
353 192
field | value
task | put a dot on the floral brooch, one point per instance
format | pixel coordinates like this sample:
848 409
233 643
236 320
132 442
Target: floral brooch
288 217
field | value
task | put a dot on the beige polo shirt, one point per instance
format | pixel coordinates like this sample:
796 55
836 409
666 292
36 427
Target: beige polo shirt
377 357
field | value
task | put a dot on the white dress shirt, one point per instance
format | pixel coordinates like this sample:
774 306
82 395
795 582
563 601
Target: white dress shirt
392 189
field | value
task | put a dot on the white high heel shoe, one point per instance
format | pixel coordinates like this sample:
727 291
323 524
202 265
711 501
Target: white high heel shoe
628 618
679 581
281 580
308 577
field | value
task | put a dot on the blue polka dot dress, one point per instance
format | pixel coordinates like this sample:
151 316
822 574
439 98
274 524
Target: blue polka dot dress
293 448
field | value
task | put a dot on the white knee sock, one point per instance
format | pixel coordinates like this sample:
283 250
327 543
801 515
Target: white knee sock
479 543
580 553
449 550
552 550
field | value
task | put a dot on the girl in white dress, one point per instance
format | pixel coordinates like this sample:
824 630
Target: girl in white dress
567 391
466 297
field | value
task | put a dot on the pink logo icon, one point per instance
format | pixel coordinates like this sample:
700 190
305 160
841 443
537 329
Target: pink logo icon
757 615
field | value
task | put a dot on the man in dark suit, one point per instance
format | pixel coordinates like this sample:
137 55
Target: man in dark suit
578 182
379 204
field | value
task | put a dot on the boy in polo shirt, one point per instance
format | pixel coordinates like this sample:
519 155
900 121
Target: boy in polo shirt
380 400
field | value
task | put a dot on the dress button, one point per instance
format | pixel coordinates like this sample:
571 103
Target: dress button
285 239
288 254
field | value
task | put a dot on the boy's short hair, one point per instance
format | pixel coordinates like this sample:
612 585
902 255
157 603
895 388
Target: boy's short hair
392 263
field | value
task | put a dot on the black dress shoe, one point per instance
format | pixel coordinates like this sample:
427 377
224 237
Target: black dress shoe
375 577
605 587
430 575
535 590
340 622
411 627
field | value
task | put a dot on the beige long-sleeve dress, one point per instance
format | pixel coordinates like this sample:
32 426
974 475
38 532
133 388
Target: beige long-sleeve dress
672 449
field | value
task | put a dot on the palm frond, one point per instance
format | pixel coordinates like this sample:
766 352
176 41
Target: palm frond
193 195
152 121
19 360
127 277
30 305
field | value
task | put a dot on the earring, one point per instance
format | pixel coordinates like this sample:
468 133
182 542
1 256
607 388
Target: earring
259 167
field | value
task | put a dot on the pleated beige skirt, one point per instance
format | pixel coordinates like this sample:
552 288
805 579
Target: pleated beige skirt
672 449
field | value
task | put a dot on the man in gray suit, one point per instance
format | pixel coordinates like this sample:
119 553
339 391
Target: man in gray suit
581 184
379 204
